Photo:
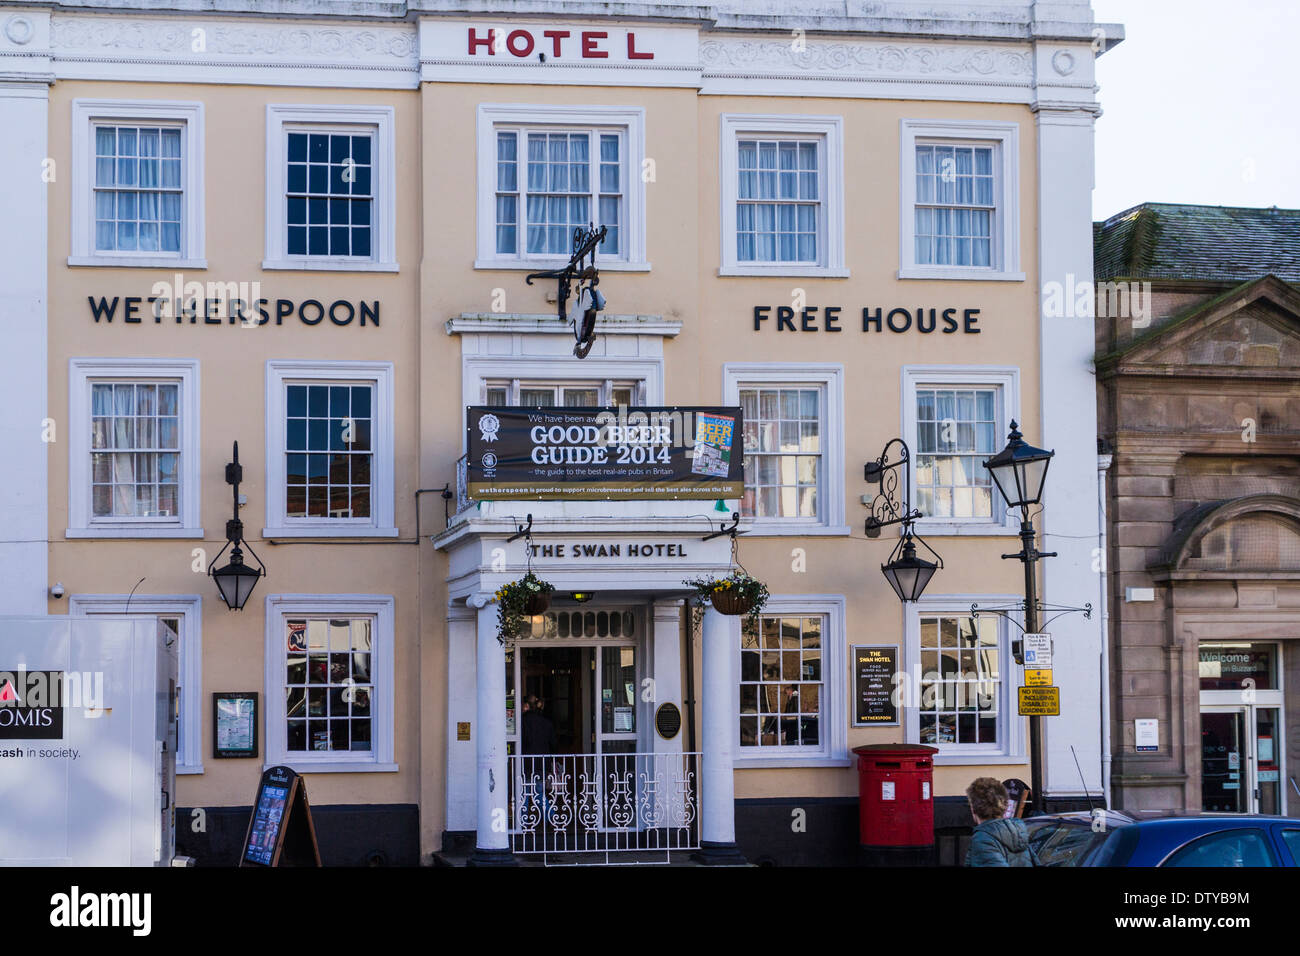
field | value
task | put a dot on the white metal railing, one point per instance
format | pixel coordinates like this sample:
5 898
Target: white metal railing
610 808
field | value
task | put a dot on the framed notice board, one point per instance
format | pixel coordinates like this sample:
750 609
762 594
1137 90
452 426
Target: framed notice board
234 724
280 830
875 667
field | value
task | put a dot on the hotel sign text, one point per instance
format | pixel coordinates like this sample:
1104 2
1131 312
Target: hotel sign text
785 318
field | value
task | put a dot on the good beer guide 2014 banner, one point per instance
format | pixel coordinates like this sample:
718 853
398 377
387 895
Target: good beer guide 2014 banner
596 453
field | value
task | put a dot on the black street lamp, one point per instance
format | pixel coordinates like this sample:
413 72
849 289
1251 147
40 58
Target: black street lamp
1020 472
906 573
236 580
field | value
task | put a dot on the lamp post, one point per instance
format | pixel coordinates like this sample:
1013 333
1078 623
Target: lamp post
236 580
1020 472
906 573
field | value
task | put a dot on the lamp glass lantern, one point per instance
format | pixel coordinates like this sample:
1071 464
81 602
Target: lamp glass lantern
236 581
1020 470
908 574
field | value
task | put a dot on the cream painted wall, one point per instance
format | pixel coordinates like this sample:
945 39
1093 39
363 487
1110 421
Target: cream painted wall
232 375
437 170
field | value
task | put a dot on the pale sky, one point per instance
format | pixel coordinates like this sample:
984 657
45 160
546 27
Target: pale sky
1201 104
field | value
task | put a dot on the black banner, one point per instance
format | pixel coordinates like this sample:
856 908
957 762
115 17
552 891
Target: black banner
873 685
682 451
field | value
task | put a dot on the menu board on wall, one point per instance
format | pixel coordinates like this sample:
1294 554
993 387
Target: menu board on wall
588 454
875 668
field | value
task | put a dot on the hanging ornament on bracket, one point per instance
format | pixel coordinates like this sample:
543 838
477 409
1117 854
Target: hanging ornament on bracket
587 300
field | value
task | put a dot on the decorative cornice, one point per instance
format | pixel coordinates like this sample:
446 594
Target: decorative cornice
865 60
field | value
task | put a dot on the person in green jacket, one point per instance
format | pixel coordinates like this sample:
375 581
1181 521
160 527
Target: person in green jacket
996 841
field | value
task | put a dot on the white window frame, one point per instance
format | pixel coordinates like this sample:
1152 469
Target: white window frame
189 609
279 374
606 386
1011 727
834 718
86 113
830 378
82 523
1005 140
337 119
554 118
1006 379
280 607
830 226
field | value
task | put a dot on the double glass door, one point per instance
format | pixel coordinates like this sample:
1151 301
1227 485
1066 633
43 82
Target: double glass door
1241 759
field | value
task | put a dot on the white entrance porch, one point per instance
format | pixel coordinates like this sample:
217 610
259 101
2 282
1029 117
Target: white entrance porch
617 786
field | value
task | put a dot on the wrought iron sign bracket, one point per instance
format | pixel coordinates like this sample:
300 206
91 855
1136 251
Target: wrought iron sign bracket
732 529
889 506
578 270
1006 611
522 531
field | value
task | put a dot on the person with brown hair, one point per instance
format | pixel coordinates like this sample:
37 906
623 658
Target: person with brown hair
996 841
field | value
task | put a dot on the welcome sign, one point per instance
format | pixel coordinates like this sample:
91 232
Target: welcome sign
604 453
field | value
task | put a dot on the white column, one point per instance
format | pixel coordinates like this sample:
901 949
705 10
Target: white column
24 507
492 785
721 643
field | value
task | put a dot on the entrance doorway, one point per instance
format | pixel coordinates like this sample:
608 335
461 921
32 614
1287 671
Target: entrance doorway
1242 747
584 668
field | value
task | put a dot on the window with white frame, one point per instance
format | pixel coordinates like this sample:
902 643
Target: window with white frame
792 430
546 171
573 394
955 418
959 693
782 195
329 666
789 698
959 200
137 190
330 188
181 616
133 458
329 449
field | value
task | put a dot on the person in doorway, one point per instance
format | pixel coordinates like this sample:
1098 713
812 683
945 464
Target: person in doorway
537 738
996 841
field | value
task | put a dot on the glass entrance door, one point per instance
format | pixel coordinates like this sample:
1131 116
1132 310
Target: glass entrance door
1241 759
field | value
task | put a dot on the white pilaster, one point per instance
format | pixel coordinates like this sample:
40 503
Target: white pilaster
492 786
1070 521
666 670
462 650
24 385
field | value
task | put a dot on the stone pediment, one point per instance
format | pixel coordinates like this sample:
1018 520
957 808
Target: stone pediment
1251 330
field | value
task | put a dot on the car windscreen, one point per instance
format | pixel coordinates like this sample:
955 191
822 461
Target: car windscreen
1063 842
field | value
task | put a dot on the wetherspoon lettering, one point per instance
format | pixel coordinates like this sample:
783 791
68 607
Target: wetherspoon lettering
785 318
248 313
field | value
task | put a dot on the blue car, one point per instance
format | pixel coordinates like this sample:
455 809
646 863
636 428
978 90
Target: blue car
1111 838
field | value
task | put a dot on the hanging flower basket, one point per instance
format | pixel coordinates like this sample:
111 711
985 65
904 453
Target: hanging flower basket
518 601
734 595
731 601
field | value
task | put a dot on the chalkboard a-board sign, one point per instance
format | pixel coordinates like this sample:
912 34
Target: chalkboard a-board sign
874 669
280 831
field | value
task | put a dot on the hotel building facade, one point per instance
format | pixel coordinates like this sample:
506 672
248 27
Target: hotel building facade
309 233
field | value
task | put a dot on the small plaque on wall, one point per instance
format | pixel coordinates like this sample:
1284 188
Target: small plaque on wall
668 721
234 724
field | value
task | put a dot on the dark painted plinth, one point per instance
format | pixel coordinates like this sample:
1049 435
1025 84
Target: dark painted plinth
483 857
718 854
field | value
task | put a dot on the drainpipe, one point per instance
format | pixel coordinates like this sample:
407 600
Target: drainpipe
689 701
1103 466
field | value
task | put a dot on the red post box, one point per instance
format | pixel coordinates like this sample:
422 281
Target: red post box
896 804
